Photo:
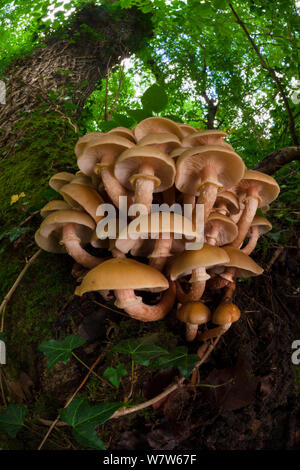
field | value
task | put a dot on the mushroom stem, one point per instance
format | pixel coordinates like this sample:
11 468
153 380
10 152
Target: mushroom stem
112 186
191 331
251 205
254 236
161 252
222 209
218 331
144 187
189 199
72 244
208 189
197 287
135 307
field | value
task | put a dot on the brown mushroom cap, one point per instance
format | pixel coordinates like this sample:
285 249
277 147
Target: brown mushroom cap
226 312
122 273
207 257
229 199
123 132
84 141
52 206
195 313
245 266
186 129
129 162
228 165
267 187
177 152
84 180
208 137
165 141
154 125
48 236
58 180
263 224
227 229
77 195
108 144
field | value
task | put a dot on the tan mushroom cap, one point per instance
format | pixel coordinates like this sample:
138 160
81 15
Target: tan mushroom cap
77 195
155 125
228 165
49 235
208 137
154 224
123 132
84 141
52 206
122 273
177 152
84 180
195 313
245 266
108 144
229 199
228 230
58 180
263 224
226 312
207 257
166 141
129 162
186 129
268 188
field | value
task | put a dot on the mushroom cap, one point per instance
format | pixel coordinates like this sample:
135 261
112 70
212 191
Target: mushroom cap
228 165
155 224
263 224
267 186
129 162
52 206
83 141
195 313
77 195
177 152
58 180
157 125
226 312
228 230
245 266
207 257
84 180
230 200
123 132
212 137
122 273
107 144
186 129
166 139
48 236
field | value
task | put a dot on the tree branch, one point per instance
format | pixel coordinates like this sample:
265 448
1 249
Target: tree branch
278 159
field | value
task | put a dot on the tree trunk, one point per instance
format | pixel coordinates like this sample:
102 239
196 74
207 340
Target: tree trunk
278 159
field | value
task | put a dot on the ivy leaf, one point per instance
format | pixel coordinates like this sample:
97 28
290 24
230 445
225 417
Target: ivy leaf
12 419
141 350
60 350
115 375
155 98
179 358
139 114
84 418
15 233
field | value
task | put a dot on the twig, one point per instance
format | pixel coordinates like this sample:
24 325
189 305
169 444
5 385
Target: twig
2 389
70 400
15 285
274 258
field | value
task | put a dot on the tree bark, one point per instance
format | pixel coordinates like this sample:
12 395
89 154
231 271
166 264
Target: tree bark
278 159
70 66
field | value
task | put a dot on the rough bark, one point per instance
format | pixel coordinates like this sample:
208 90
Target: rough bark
278 159
85 58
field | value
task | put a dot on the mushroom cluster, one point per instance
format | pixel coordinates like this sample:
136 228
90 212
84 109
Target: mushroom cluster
160 162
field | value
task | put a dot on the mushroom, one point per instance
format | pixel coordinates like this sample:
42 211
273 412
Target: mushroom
52 206
123 132
146 170
260 226
260 189
83 141
99 157
193 314
155 125
195 262
227 203
166 142
207 137
79 196
58 180
65 231
224 315
205 170
186 129
220 230
124 276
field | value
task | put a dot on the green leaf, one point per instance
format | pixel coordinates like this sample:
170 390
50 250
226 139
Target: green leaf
139 114
141 350
84 418
155 98
115 375
15 233
12 419
2 336
179 358
60 350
